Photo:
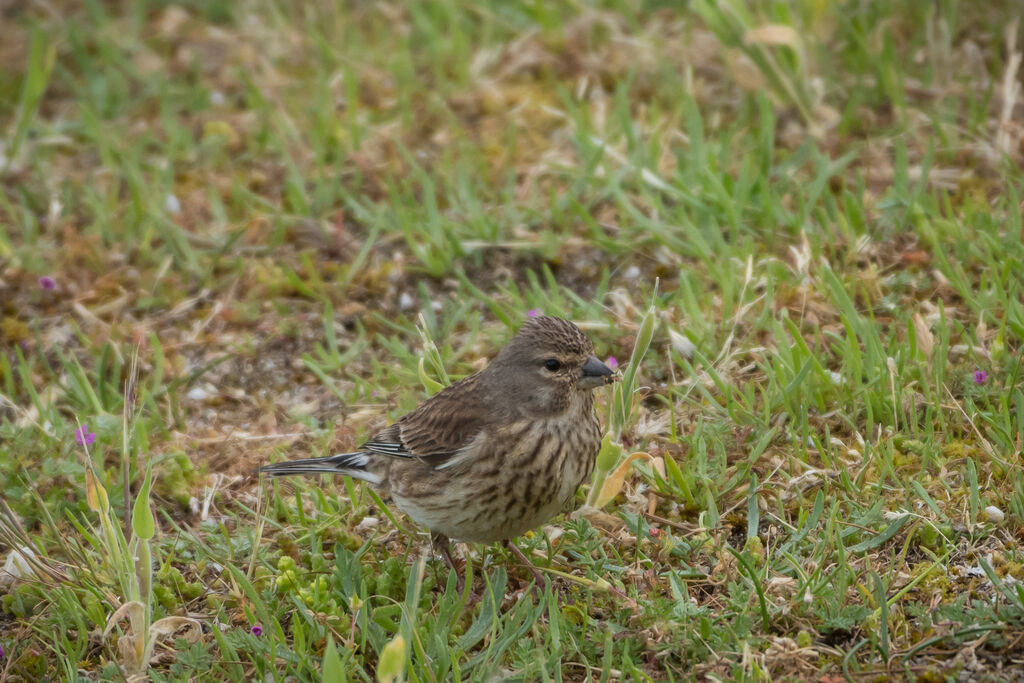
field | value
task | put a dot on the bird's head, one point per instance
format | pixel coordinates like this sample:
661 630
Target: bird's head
547 364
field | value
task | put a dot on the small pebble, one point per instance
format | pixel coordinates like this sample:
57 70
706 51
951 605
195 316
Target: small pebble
994 514
197 394
367 524
17 564
172 204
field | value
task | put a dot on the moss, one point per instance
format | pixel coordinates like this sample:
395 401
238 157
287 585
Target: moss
14 331
930 536
804 639
174 478
172 590
755 549
914 446
1014 569
935 581
957 450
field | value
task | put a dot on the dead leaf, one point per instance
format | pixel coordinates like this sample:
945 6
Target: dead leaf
177 627
773 34
925 339
120 613
600 518
917 257
613 483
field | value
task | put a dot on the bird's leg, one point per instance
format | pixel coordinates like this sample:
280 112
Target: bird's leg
537 574
443 544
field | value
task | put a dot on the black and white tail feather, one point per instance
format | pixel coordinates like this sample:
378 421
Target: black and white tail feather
350 464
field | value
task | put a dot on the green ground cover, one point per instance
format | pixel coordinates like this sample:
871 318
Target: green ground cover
233 233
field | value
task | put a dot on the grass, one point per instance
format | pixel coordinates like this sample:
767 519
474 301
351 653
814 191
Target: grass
271 228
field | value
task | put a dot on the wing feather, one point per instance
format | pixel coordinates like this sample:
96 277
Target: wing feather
439 428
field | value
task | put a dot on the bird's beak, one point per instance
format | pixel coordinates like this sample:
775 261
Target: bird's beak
596 373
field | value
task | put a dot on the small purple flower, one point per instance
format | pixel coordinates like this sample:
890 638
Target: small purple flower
612 362
47 283
980 376
373 394
84 437
1 651
533 312
257 630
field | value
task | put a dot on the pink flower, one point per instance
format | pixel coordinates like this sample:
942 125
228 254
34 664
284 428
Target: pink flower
612 362
84 437
533 312
980 376
47 283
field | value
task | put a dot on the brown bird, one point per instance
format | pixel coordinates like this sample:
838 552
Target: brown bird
495 454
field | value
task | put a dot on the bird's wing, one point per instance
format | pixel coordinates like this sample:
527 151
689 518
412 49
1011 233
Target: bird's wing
439 429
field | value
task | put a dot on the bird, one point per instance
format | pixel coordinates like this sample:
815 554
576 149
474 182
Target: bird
495 454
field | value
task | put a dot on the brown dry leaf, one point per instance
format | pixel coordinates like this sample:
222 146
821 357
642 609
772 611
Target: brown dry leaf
177 627
126 653
613 483
773 34
744 71
147 62
171 21
600 519
120 613
925 338
916 257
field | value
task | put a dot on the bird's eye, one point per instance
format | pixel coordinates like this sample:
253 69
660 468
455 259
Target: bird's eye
552 364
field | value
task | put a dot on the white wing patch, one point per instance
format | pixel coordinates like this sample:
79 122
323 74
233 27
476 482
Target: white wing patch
464 455
387 448
358 460
366 476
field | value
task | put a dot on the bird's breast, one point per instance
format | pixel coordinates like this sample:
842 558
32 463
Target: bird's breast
519 477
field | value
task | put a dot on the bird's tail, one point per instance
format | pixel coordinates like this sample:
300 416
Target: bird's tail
351 464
